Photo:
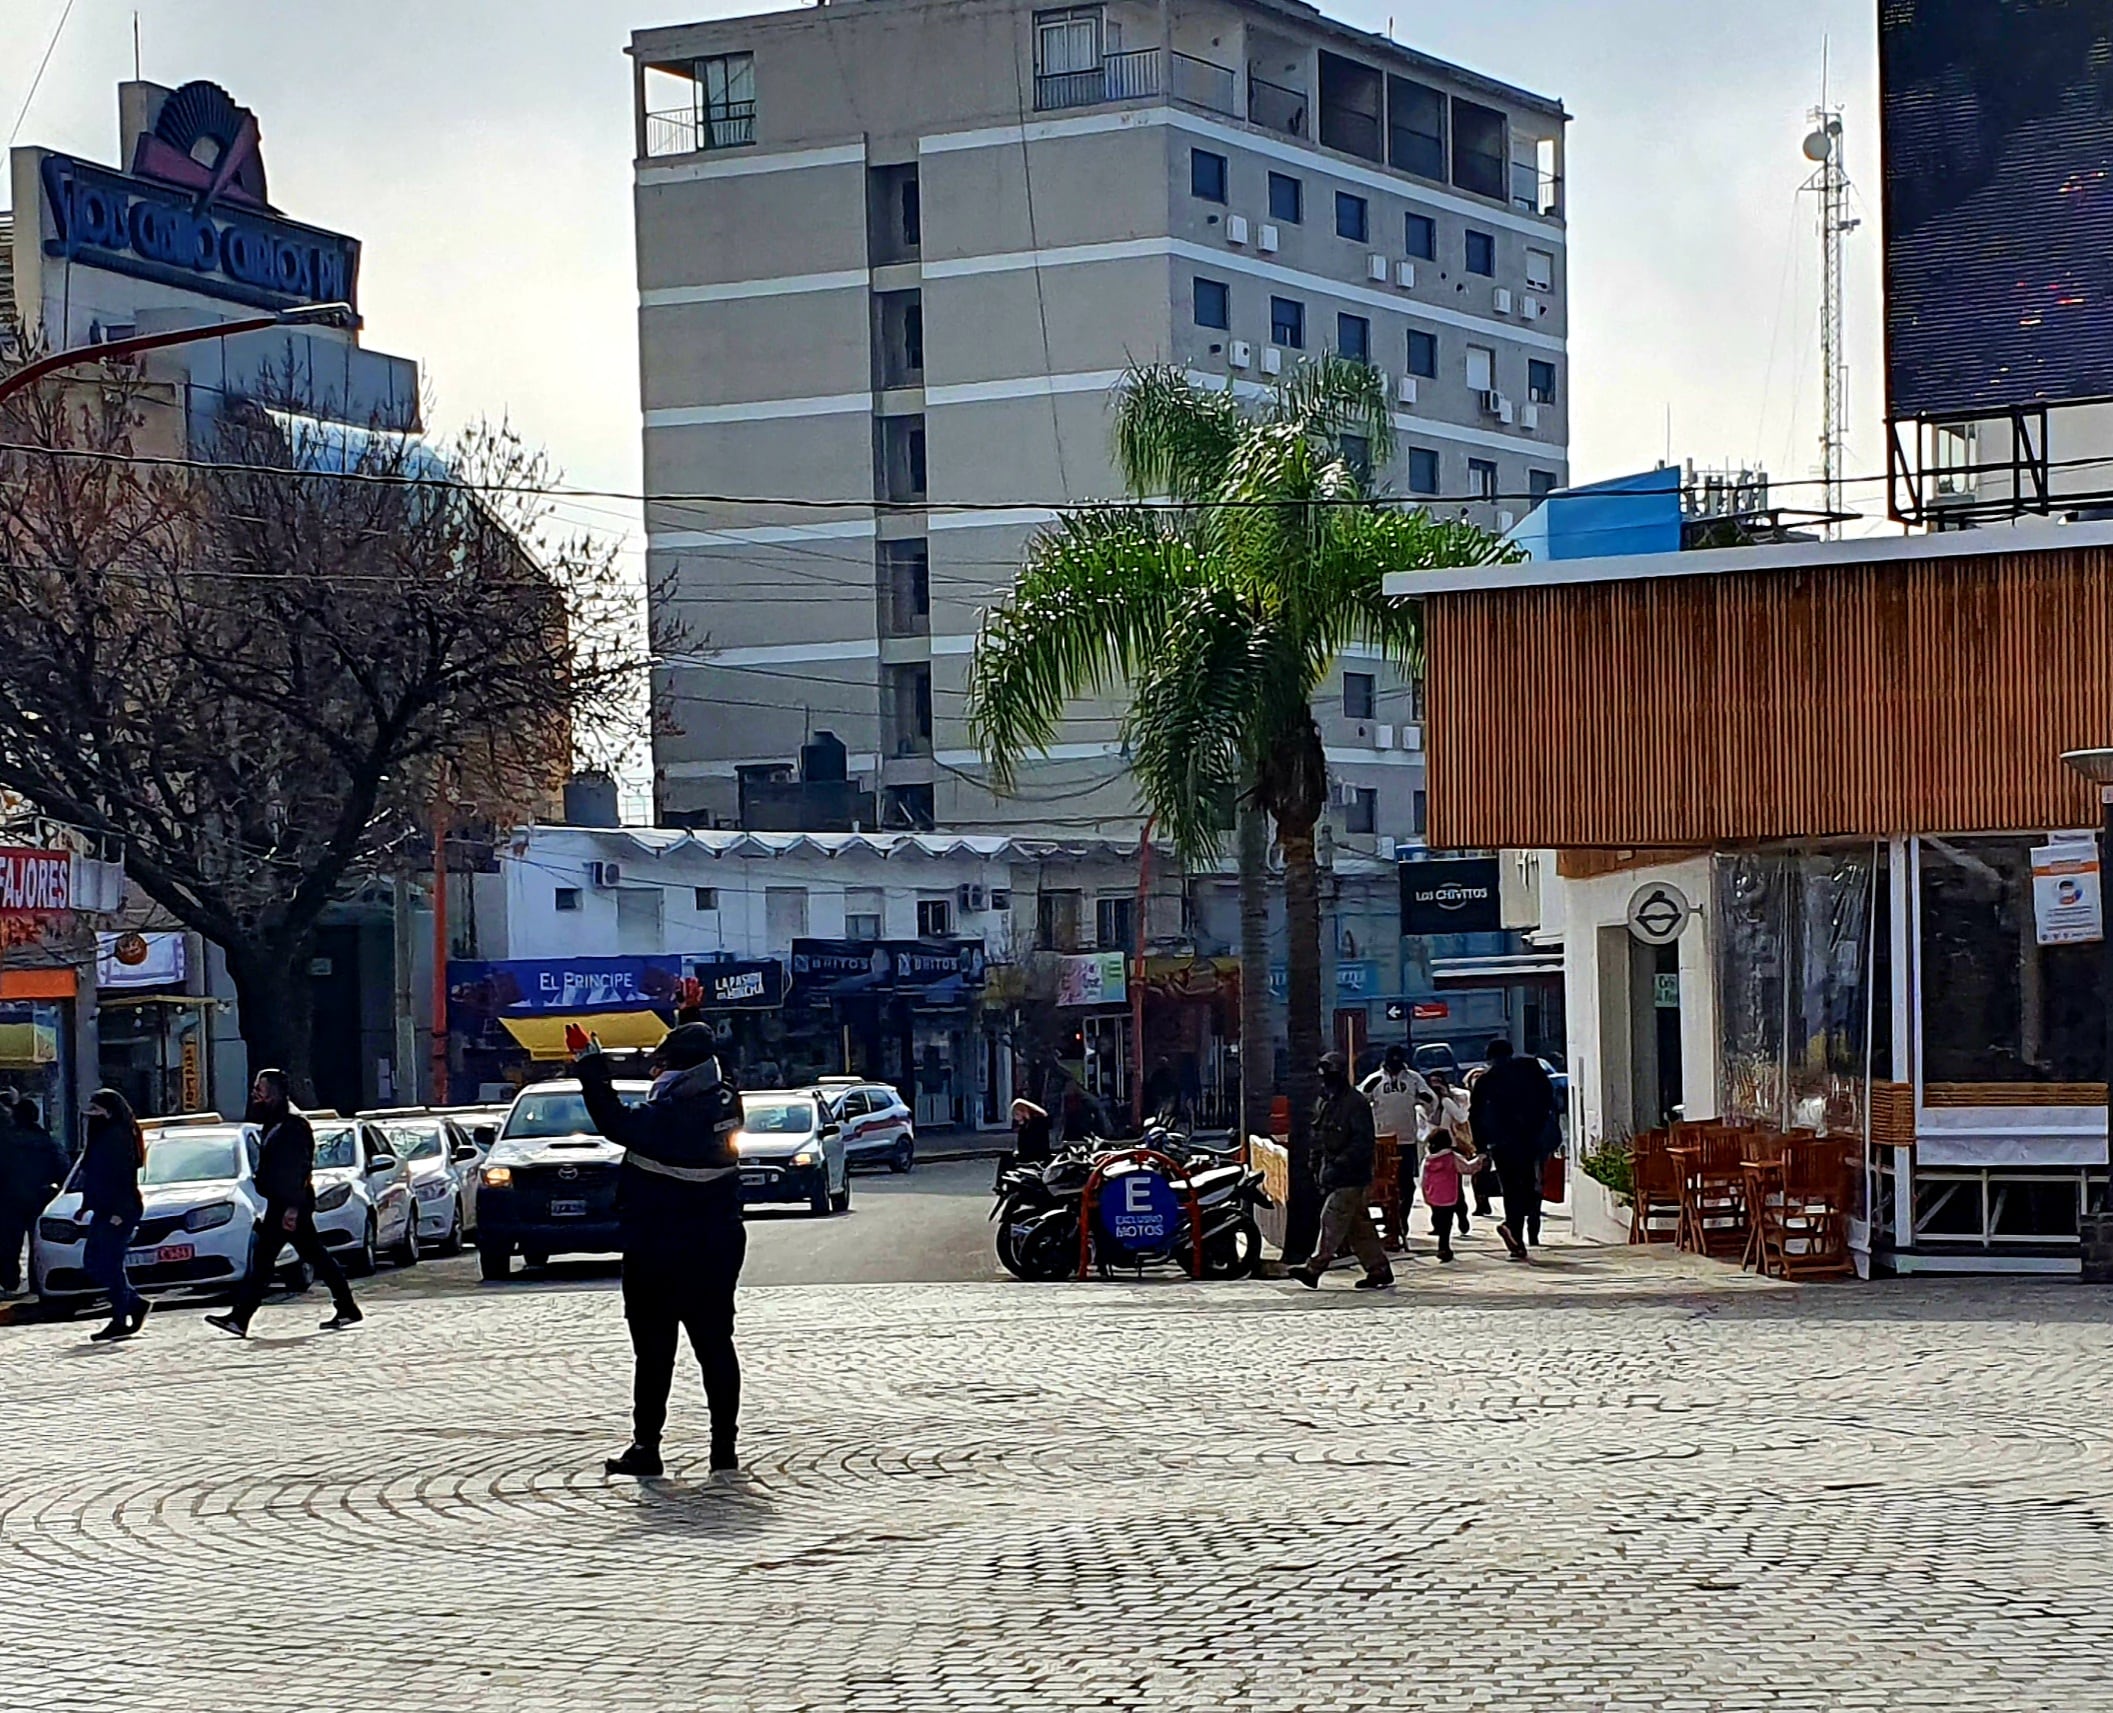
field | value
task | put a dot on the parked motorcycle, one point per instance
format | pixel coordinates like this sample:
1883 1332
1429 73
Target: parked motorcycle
1037 1210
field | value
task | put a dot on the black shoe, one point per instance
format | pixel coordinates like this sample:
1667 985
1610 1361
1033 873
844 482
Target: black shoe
228 1323
1376 1282
725 1463
1445 1254
642 1461
121 1327
1305 1276
342 1320
1512 1242
139 1316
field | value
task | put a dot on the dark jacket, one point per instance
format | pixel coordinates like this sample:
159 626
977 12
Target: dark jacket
32 1167
681 1177
110 1169
286 1166
1510 1108
1342 1132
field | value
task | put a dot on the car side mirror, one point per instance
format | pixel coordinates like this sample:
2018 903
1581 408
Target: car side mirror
831 1129
463 1152
381 1163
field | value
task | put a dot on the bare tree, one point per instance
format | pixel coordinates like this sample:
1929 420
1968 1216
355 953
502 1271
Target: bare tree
259 669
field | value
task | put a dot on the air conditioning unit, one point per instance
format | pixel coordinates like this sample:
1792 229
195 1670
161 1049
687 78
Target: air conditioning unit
1272 360
1236 228
1382 737
1412 737
1532 307
1529 416
1376 266
1505 410
1500 300
1405 389
604 875
1493 402
1405 274
1266 239
1239 353
972 897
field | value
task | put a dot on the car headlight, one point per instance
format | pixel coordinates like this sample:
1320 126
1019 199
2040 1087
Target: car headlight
207 1217
60 1229
805 1157
435 1189
498 1177
333 1198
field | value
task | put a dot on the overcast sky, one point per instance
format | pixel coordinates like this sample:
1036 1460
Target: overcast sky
480 149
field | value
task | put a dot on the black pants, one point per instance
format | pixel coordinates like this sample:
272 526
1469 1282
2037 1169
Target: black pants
15 1223
1520 1175
1442 1222
1485 1185
694 1294
264 1245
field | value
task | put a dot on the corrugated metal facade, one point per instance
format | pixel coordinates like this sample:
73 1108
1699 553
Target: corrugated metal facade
1692 711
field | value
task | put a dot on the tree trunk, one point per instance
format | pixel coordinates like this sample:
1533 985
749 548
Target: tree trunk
278 1011
1302 929
1257 1044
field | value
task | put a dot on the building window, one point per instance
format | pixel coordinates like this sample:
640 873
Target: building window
1361 813
1419 237
935 918
1419 814
1355 450
861 925
1481 253
1540 380
1214 303
1056 916
1208 176
1540 484
1478 148
1353 218
1287 323
726 87
1423 354
910 212
707 898
1360 695
1482 478
1423 470
1067 42
1353 338
1540 270
1287 198
1112 919
568 898
1481 369
1415 128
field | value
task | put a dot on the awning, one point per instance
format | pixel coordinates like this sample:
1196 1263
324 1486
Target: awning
1528 966
24 1046
619 1031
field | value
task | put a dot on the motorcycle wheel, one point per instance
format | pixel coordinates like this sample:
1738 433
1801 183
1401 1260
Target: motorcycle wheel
1234 1254
1050 1253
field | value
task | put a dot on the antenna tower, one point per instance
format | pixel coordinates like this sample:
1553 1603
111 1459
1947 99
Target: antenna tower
1830 184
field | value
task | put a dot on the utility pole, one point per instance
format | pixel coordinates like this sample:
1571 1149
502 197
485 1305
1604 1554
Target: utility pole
406 1047
1830 184
439 1096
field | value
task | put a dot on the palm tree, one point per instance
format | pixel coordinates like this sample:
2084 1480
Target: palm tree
1223 608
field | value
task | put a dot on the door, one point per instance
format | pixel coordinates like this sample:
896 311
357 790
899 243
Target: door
854 1115
334 1041
390 1190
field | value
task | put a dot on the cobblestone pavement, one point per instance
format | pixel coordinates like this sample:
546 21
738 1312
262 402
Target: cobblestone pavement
1612 1481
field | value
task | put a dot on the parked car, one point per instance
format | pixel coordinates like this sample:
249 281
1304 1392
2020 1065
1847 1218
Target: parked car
792 1149
363 1200
442 1161
200 1205
877 1124
480 1123
548 1185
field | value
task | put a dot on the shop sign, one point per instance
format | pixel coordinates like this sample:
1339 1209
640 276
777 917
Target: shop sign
1353 980
1665 992
2066 901
193 1081
740 984
818 965
1139 1209
36 882
1451 895
526 987
1659 913
139 960
1096 978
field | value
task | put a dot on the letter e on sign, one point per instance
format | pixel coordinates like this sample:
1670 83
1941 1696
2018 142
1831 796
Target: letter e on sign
1137 1195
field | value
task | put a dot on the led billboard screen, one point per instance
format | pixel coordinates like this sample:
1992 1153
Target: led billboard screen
1998 140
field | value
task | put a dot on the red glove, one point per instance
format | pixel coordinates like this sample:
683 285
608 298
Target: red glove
577 1040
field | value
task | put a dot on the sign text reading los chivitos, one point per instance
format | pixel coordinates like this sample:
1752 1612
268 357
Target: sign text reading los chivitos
35 883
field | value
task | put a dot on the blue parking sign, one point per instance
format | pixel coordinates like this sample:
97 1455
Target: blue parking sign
1139 1209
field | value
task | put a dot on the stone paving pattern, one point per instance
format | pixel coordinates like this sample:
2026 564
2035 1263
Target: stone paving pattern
1615 1481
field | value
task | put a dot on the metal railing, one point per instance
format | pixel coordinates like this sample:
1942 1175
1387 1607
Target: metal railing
1199 83
1118 77
1275 107
686 130
1535 192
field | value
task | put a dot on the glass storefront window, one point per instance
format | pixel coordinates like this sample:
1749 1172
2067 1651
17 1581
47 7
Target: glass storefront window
35 1057
1999 1007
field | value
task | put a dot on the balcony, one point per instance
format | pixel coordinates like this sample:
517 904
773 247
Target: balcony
686 130
1118 77
1198 83
1277 107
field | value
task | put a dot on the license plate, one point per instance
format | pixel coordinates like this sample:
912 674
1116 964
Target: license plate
568 1209
756 1177
167 1255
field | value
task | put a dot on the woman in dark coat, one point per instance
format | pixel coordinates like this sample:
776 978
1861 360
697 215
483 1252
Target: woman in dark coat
110 1204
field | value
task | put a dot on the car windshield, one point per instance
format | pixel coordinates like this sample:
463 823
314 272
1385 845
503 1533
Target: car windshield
765 1117
415 1141
336 1149
556 1112
190 1159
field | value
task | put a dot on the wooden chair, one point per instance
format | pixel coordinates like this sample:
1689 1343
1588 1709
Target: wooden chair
1805 1226
1654 1190
1713 1218
1389 1200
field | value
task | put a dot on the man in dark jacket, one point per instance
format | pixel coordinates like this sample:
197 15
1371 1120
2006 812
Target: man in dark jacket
32 1167
679 1206
1348 1149
1510 1110
286 1181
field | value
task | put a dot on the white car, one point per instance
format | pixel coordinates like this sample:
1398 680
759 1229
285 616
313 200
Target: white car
878 1127
436 1151
200 1204
792 1149
363 1198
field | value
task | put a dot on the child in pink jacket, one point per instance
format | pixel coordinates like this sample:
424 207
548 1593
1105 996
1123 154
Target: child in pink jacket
1445 1178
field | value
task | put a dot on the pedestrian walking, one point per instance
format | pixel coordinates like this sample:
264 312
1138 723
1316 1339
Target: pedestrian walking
110 1204
1450 1113
1510 1109
1445 1175
1400 1097
1343 1136
679 1207
286 1181
32 1167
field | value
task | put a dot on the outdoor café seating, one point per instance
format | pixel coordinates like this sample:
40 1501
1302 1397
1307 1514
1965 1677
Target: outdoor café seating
1778 1200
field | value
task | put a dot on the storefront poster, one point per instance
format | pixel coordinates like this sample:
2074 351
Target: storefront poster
2066 909
1095 978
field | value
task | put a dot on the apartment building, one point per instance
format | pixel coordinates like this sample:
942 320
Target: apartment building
892 256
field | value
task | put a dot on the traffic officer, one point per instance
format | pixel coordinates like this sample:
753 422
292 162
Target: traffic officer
679 1207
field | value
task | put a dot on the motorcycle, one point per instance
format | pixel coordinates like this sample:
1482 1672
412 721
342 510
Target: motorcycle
1037 1210
1037 1215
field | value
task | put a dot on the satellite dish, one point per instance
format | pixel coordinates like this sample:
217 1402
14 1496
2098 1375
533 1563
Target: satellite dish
1819 146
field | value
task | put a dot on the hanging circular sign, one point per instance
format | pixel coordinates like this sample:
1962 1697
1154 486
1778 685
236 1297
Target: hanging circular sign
1658 913
130 950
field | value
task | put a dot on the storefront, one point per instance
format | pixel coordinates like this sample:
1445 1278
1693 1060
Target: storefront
37 1010
1192 1026
904 1012
153 1038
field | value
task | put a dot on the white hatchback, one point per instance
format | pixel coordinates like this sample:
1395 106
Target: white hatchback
200 1204
442 1161
363 1201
